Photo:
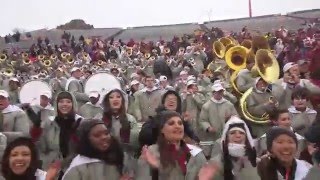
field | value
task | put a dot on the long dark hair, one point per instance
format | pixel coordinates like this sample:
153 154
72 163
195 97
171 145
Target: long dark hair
113 156
166 158
125 124
34 164
228 166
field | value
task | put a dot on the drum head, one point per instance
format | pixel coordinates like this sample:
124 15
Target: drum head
30 91
101 82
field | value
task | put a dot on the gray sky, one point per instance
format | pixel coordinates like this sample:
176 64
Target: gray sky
38 14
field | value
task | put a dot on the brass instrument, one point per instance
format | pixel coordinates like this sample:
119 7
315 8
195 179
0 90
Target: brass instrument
53 57
147 55
25 55
193 63
94 67
267 65
219 49
122 70
65 55
47 63
152 58
233 78
8 72
268 69
41 57
243 105
70 60
100 62
247 43
3 57
225 41
26 61
236 57
166 50
129 51
182 49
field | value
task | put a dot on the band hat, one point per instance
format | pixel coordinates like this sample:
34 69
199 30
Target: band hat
14 79
217 87
163 78
4 93
134 82
46 94
94 94
288 66
75 69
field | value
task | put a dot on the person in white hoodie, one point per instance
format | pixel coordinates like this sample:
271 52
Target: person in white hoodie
91 108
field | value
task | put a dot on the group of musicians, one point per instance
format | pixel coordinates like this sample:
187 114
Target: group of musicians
176 114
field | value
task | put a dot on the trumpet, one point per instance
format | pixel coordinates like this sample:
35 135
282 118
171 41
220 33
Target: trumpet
3 57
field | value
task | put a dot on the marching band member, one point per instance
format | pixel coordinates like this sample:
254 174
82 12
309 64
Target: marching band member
170 158
75 86
58 83
234 152
147 100
291 80
99 155
14 121
121 125
281 162
38 113
302 116
164 84
91 108
134 87
282 119
14 90
21 161
57 135
244 79
214 114
259 103
192 102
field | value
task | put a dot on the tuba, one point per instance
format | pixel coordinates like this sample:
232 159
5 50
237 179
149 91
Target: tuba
9 72
147 55
236 57
26 61
47 63
100 62
53 57
41 57
268 68
25 55
219 49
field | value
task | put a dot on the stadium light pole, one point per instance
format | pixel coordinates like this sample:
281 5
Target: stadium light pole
250 9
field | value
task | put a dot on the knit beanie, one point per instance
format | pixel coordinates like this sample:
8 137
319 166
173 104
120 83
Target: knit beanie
86 126
275 132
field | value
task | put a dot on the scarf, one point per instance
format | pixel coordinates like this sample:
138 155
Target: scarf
68 126
124 132
180 156
286 174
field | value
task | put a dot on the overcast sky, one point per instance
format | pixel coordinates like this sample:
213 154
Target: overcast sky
37 14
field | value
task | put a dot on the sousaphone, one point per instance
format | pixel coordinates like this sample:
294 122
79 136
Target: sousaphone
269 70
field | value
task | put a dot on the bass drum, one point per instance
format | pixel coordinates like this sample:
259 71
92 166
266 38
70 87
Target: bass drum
30 91
103 83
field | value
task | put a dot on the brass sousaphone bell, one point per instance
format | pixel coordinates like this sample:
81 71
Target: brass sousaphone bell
269 70
219 49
